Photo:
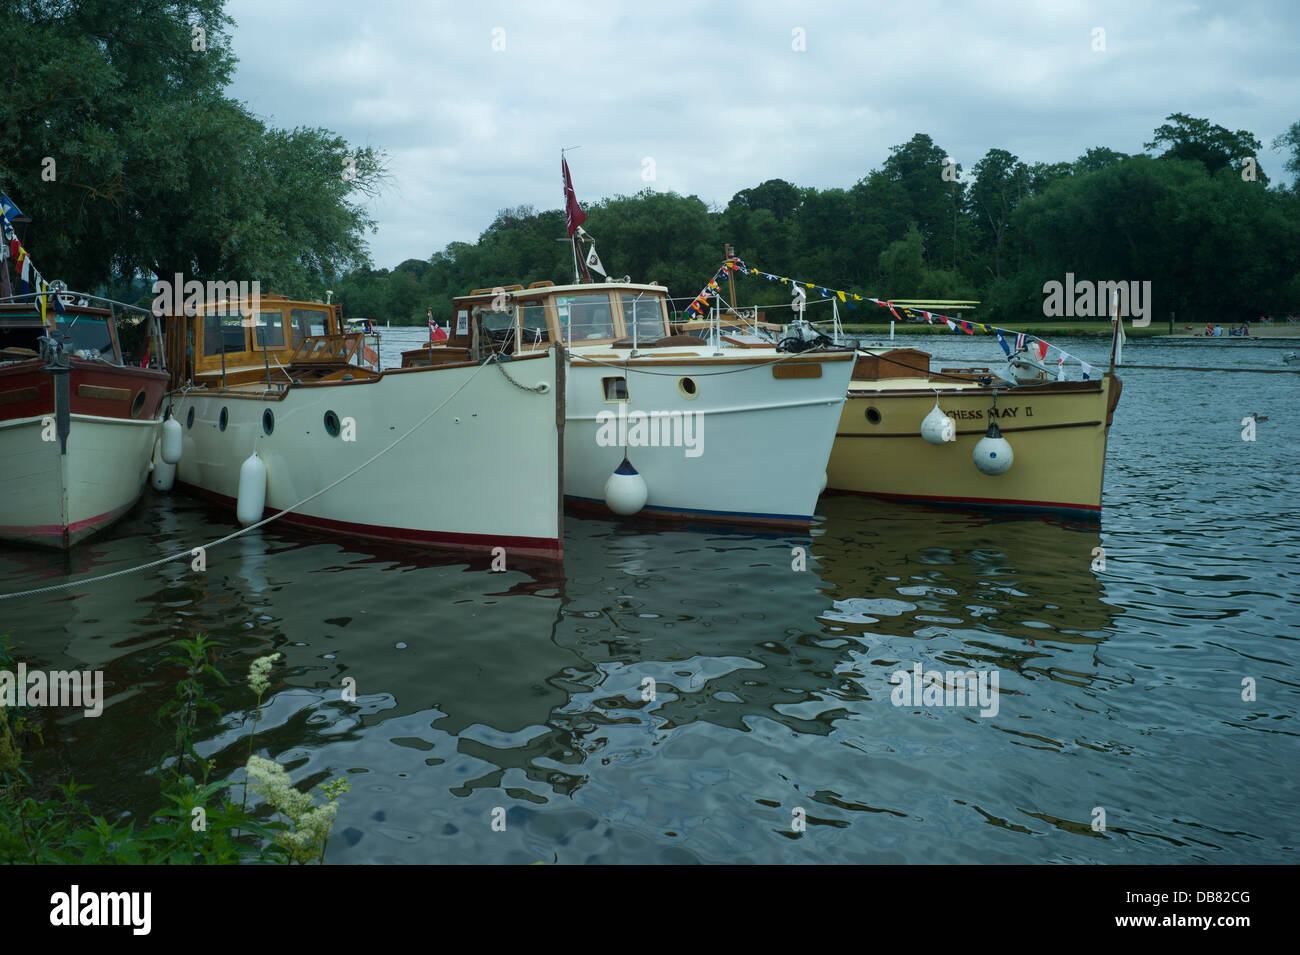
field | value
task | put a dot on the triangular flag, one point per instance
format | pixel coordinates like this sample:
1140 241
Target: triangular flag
1042 350
1087 370
1005 347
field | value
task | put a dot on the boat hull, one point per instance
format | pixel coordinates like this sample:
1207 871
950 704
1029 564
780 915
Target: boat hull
1057 431
761 437
482 473
58 493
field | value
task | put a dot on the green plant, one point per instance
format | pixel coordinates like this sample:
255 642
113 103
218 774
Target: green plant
197 822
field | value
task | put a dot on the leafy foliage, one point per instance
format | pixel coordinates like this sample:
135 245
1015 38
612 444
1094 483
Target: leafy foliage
1212 244
197 823
117 139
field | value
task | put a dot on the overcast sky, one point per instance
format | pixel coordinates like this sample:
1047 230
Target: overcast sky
473 102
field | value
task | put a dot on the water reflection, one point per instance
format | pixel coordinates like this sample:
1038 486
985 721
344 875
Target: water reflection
673 693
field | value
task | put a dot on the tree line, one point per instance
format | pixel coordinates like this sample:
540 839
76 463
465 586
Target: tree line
119 142
1196 216
117 137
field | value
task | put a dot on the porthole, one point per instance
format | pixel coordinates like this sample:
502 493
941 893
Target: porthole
223 419
687 387
138 405
873 415
189 418
268 421
331 424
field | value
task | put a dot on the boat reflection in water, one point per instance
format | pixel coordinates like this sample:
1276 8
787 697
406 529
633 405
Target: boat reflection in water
978 591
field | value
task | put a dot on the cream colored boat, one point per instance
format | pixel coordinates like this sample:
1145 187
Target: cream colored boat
1056 430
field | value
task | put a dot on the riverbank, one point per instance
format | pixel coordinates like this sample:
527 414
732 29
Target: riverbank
1040 329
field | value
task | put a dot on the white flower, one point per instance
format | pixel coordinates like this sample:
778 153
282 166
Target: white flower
259 674
309 825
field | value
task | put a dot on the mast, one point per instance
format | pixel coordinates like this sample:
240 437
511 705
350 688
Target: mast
574 217
1114 337
729 253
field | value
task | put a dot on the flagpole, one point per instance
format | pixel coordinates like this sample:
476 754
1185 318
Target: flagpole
1114 337
729 253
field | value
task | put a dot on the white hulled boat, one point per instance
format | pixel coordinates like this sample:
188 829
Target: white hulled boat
78 424
693 431
273 414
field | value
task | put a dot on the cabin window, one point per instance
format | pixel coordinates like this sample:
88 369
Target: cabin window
532 318
645 314
496 321
82 333
615 389
304 322
268 331
586 317
223 332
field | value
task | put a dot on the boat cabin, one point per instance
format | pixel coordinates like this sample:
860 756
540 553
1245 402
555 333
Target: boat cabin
226 346
516 319
85 332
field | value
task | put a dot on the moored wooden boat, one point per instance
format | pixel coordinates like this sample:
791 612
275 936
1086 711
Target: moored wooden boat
459 455
1057 432
740 437
78 425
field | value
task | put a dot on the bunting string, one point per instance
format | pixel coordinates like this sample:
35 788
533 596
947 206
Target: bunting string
959 326
700 304
29 278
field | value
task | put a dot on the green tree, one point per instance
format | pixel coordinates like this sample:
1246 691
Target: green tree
998 187
155 170
1291 140
1198 140
918 166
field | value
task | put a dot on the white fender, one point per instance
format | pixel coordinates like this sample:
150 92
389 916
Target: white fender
626 490
937 427
171 440
252 490
164 472
993 454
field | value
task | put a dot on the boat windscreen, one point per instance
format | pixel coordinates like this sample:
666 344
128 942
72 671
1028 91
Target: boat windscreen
589 316
308 322
644 313
85 333
268 330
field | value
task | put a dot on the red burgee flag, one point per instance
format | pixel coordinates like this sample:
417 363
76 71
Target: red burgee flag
1042 350
573 214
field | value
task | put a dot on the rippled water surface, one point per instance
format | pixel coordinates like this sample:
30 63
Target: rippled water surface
1120 689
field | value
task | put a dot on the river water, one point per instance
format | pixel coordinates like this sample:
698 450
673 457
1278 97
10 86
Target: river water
1158 695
